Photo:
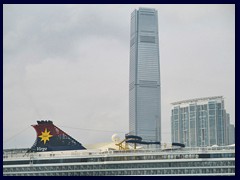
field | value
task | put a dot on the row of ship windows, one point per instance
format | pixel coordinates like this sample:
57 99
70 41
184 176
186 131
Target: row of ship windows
172 165
216 171
125 158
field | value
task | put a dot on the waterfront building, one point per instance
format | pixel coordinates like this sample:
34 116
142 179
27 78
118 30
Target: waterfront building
230 131
200 122
144 83
231 137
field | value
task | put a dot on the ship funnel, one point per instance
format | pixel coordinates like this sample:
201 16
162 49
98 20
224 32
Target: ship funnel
52 138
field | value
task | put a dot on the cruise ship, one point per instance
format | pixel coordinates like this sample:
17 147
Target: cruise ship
55 153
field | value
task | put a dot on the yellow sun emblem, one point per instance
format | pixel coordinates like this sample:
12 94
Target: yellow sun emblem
45 136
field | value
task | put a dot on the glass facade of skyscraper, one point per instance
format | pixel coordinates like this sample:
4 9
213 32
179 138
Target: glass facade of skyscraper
231 137
200 122
144 83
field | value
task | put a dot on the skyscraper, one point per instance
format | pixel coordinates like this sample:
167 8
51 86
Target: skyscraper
200 122
144 83
231 130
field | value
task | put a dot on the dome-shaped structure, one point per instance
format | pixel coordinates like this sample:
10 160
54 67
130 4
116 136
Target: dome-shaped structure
116 138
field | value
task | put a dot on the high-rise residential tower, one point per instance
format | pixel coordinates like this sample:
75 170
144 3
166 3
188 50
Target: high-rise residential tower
144 84
200 122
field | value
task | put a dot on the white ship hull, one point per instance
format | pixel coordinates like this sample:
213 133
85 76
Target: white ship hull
185 162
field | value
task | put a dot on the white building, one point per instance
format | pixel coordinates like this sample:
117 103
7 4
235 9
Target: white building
200 122
231 137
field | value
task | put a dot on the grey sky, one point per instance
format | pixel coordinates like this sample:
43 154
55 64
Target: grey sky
70 64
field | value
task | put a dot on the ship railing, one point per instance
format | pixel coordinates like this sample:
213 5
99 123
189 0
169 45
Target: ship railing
178 150
82 153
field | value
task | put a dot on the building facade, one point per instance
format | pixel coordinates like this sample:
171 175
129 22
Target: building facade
144 81
230 131
231 137
200 122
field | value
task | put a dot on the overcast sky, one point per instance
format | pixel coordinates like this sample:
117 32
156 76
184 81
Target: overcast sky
70 64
